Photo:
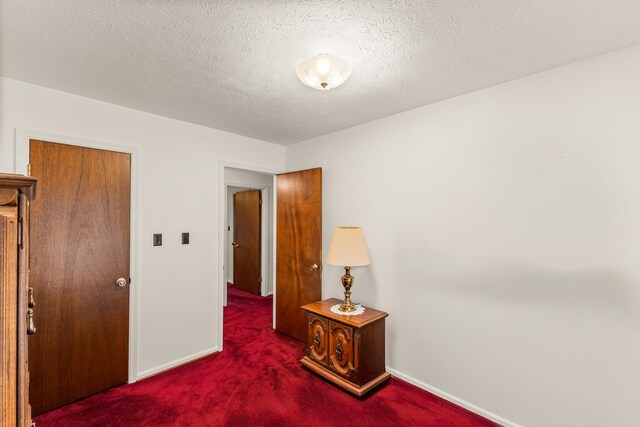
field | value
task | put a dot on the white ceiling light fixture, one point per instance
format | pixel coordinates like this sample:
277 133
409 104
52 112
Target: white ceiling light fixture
323 71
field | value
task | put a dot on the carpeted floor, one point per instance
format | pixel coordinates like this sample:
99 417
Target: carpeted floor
256 381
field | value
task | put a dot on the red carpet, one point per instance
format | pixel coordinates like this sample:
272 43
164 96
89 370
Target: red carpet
256 381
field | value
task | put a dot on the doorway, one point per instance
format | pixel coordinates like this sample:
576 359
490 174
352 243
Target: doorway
245 232
236 181
249 187
295 218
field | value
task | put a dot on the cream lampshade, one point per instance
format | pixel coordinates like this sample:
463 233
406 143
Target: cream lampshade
348 249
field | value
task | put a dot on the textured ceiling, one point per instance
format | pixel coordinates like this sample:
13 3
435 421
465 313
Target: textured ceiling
231 64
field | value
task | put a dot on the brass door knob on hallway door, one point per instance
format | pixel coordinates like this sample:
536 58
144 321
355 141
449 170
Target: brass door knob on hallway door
122 282
235 245
315 267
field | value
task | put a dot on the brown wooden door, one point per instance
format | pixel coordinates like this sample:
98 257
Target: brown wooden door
246 241
79 248
298 249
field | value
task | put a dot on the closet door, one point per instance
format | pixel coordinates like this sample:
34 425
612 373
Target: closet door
79 272
247 233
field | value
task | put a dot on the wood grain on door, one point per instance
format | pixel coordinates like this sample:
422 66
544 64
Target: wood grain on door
80 248
247 234
298 249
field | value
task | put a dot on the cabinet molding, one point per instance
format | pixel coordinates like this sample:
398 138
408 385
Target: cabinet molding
16 302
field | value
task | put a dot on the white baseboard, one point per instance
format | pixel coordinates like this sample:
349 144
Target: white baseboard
175 363
453 399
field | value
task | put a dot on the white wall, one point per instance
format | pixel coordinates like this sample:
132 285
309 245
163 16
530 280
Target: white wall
178 191
504 228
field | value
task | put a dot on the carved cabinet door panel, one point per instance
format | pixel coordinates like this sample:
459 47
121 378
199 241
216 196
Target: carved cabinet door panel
317 349
341 349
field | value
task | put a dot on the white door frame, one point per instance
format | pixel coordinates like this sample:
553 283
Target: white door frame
222 240
264 234
22 137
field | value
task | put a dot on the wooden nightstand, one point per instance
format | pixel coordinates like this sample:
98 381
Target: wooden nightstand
346 350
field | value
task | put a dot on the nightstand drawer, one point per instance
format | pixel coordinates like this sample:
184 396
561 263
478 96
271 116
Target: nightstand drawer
341 349
318 339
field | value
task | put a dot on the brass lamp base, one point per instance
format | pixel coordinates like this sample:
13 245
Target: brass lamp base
347 281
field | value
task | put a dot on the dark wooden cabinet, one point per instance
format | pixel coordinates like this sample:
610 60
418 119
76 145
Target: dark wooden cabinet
346 350
16 298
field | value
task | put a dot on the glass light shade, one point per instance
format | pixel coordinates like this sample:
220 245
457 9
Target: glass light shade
323 71
348 248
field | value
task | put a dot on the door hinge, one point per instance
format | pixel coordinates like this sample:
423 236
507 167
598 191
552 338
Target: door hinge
28 169
261 201
260 279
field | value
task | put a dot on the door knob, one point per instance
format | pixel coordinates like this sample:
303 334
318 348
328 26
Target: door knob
315 267
235 245
122 282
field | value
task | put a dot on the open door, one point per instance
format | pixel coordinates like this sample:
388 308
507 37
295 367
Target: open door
246 241
298 249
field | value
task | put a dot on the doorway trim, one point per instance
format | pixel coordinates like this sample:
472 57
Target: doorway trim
222 227
22 138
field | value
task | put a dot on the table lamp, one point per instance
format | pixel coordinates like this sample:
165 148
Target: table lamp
348 249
